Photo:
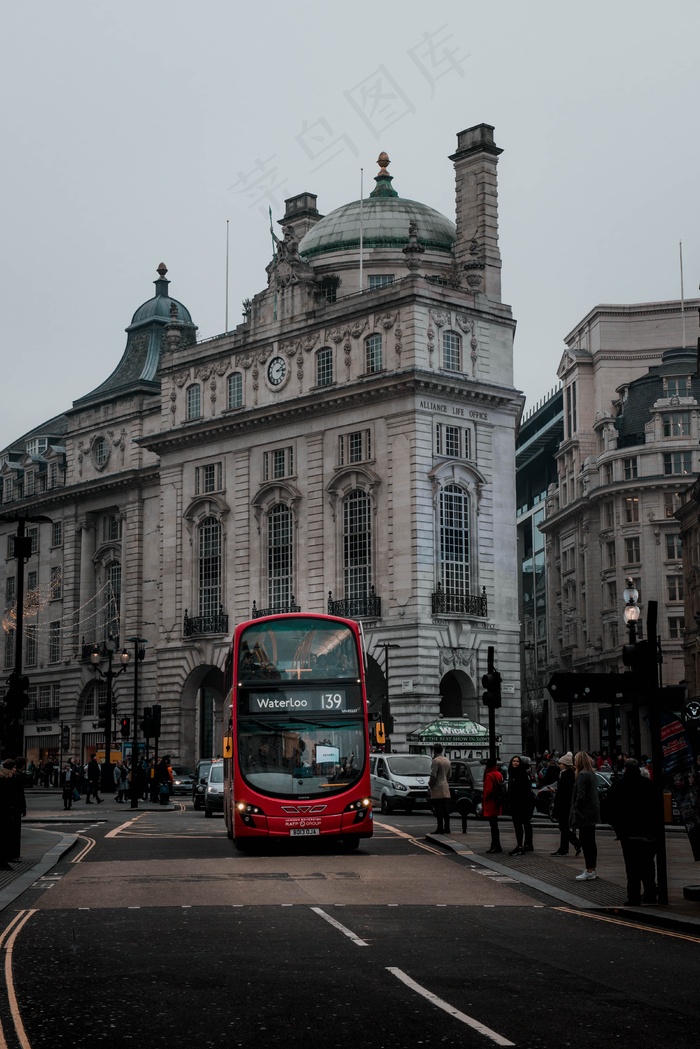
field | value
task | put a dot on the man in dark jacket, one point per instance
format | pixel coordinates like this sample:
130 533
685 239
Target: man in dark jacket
93 778
631 812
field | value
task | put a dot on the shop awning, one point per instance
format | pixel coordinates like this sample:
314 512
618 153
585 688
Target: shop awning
452 730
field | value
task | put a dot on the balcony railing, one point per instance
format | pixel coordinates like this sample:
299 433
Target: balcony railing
367 607
447 603
42 714
217 623
275 610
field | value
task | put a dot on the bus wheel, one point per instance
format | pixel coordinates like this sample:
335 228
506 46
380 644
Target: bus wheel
349 844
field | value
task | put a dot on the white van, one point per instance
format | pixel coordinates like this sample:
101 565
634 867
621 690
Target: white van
400 781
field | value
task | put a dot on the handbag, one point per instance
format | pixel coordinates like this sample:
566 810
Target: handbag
76 794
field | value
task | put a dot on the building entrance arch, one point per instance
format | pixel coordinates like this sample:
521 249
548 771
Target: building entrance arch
201 710
458 698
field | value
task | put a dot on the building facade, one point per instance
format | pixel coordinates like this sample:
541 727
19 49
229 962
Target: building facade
350 447
630 448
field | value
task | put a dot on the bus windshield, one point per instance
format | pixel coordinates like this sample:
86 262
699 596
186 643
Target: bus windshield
309 755
297 649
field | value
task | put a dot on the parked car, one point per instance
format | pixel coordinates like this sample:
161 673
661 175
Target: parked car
214 793
182 779
400 781
199 783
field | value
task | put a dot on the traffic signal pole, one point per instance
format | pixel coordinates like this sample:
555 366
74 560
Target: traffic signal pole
657 756
491 697
14 739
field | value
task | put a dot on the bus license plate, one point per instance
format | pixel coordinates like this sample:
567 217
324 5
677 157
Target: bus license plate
299 832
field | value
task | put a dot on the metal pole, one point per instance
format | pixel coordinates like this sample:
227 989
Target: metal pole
135 776
657 751
107 777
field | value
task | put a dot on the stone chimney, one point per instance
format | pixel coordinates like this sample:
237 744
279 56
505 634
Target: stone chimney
477 255
301 213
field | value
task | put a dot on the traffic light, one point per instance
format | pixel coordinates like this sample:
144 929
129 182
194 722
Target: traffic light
17 695
492 684
637 657
126 727
65 737
146 722
155 718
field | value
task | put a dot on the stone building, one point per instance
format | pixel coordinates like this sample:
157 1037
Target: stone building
631 432
348 448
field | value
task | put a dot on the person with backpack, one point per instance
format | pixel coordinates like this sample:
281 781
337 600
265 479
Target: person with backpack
491 801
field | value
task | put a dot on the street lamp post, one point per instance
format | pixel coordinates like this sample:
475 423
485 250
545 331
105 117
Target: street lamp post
139 655
631 616
111 645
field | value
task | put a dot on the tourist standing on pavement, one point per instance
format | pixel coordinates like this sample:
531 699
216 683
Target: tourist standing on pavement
631 811
93 780
17 808
491 801
521 803
561 806
69 782
439 789
585 813
6 799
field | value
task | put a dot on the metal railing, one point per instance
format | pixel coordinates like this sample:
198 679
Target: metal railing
275 610
446 603
217 623
367 607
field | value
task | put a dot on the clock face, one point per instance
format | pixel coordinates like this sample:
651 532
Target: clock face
276 371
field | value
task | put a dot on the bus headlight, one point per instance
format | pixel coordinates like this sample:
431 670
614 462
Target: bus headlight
362 804
251 810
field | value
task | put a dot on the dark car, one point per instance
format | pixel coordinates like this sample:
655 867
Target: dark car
182 780
545 796
467 787
199 783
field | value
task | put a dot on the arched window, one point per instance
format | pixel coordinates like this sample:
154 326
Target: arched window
209 567
454 540
194 401
373 353
357 545
452 351
235 390
279 557
324 366
113 573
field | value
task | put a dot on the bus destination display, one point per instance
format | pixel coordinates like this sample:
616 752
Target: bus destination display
308 701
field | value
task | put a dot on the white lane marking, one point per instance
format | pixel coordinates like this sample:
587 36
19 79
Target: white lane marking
341 928
446 1007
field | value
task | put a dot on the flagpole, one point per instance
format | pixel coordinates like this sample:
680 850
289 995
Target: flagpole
361 224
680 248
226 326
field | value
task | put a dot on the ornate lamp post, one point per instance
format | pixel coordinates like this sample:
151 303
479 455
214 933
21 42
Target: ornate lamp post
631 615
139 644
110 645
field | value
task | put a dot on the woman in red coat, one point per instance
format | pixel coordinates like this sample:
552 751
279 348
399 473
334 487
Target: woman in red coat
491 801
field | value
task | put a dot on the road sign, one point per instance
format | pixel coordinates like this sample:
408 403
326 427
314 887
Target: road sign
592 688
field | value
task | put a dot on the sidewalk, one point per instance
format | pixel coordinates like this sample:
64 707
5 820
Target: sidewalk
42 848
556 876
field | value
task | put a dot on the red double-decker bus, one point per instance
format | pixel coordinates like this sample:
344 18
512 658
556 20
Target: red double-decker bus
297 739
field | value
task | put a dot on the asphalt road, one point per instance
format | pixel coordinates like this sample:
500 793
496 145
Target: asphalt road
154 930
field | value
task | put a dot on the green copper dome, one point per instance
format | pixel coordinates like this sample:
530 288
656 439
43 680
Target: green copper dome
384 218
159 308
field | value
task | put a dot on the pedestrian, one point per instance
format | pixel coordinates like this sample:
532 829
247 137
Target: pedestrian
561 806
164 778
93 780
521 803
6 813
491 801
69 782
439 789
121 781
585 813
631 810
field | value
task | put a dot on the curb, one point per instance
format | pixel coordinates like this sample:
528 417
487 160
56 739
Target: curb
28 877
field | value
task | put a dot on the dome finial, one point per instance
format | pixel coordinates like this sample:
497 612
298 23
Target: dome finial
161 284
383 179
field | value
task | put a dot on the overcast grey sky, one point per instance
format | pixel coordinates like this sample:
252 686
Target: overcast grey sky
133 131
